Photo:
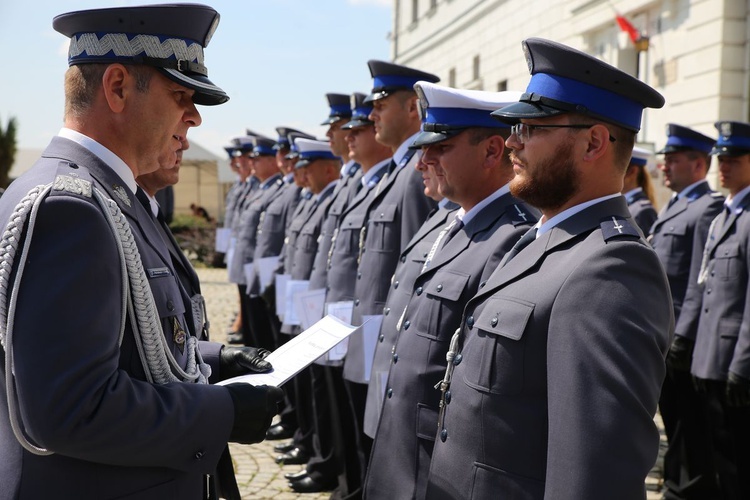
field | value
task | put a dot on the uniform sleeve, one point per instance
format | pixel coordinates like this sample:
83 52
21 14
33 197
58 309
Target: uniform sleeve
606 345
74 396
740 363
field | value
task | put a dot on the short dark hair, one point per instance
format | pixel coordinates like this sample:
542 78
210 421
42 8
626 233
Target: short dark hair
624 139
83 81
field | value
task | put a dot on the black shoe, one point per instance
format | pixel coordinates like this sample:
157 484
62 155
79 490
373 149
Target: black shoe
284 447
309 485
279 431
295 457
296 476
234 338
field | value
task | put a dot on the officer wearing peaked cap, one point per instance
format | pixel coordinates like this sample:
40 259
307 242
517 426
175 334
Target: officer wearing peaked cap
719 321
464 145
678 237
118 419
527 407
638 191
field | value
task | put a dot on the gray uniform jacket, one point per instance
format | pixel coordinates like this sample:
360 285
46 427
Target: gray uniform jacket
249 221
410 265
272 227
233 196
722 303
393 217
400 460
343 193
113 434
643 212
559 372
674 232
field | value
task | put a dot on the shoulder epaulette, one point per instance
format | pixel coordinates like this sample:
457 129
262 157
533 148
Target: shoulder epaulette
72 179
716 194
519 214
618 227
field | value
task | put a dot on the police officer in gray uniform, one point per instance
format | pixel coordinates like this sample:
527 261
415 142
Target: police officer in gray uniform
678 237
638 191
110 399
554 375
716 317
465 146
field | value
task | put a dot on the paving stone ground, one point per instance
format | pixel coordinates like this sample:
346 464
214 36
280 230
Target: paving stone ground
258 475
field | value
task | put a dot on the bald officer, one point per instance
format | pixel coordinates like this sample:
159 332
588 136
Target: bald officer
555 372
465 146
107 391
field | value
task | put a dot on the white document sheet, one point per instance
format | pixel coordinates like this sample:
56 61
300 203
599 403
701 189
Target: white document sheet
370 333
310 307
291 300
265 269
343 312
298 353
281 280
223 235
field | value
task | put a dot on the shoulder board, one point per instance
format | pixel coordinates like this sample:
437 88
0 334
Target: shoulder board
716 194
353 169
519 215
618 227
72 179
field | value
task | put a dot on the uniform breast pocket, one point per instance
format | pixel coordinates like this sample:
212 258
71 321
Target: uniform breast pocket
308 239
383 232
441 303
347 239
494 352
727 261
676 232
273 220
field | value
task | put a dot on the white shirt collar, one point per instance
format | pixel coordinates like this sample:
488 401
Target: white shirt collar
632 192
403 149
367 176
543 227
733 201
685 191
345 168
466 217
442 203
330 186
113 161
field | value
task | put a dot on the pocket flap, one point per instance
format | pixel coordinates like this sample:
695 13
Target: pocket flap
427 422
167 296
727 251
505 317
447 285
353 222
676 228
384 213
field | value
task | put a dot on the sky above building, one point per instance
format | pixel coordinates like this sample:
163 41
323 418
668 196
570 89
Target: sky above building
275 58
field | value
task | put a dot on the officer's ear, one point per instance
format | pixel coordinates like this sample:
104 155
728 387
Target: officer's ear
495 148
598 142
114 86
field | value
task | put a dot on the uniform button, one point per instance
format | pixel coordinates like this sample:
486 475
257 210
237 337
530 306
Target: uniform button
447 397
439 288
359 276
481 285
356 302
382 214
443 435
470 322
395 358
381 338
403 259
457 359
419 290
390 393
170 305
395 284
386 310
708 291
328 288
407 324
493 321
705 310
198 455
425 254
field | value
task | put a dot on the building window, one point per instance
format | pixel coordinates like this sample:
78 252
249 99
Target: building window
475 68
414 10
452 77
502 85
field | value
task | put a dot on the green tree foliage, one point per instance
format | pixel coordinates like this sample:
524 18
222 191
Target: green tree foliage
7 150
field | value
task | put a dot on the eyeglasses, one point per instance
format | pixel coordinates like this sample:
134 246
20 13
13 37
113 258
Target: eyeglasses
523 130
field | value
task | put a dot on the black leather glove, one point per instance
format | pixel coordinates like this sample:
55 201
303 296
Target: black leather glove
700 386
680 355
234 361
738 391
254 409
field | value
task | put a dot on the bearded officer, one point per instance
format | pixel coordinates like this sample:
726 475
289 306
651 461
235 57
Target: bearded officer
554 376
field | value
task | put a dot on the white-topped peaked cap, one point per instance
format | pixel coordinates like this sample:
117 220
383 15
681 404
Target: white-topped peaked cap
641 156
446 111
310 150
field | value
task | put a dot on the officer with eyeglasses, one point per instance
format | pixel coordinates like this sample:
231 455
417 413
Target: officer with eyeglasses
553 379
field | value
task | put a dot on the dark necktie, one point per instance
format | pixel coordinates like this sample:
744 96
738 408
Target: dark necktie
672 201
525 241
453 231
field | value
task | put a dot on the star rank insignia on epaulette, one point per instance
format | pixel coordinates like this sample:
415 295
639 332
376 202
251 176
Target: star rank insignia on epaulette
122 194
519 215
618 227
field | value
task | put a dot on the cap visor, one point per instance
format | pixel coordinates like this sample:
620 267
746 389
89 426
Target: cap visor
302 164
206 93
334 119
513 113
356 124
728 151
375 96
427 138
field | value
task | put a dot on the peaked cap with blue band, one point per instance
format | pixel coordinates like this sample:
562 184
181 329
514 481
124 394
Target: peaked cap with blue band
446 111
640 156
734 139
283 142
169 37
388 78
262 146
566 80
242 144
681 138
293 151
339 108
311 150
360 112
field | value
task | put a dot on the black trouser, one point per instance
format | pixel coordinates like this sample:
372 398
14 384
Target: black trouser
689 473
262 326
729 428
358 452
325 464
